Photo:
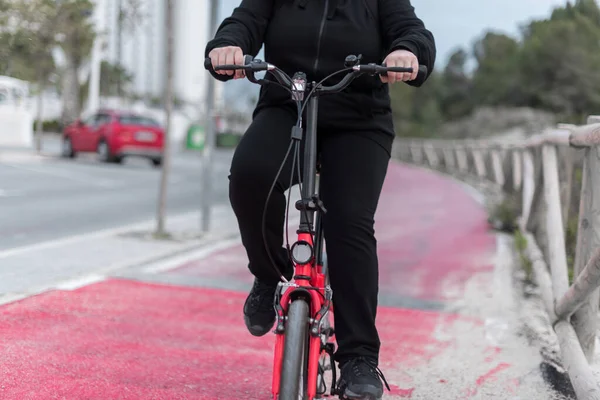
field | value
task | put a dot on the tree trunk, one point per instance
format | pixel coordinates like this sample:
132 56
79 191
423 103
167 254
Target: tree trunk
39 122
162 194
119 35
70 110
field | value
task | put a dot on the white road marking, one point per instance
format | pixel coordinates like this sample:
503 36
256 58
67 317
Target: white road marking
10 193
77 283
69 175
97 234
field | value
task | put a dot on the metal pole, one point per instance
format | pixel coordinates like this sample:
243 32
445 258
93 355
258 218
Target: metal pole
210 127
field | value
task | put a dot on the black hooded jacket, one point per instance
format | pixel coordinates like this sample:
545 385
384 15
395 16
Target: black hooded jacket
315 36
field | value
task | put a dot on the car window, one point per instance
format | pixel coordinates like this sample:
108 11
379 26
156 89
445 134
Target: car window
102 119
89 121
137 120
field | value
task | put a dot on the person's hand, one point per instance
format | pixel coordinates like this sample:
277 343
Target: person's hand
401 58
230 55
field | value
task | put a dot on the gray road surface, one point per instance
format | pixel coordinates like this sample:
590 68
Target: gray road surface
56 198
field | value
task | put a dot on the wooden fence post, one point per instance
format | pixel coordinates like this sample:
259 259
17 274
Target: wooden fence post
461 158
557 256
585 319
479 161
565 174
497 166
431 155
517 165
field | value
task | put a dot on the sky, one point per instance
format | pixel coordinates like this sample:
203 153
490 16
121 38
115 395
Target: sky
453 23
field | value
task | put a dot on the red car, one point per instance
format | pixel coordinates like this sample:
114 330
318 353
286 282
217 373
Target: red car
114 135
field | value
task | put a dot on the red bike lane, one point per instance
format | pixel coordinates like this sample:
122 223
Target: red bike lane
125 339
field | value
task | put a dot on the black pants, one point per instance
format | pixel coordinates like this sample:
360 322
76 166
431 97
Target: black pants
353 170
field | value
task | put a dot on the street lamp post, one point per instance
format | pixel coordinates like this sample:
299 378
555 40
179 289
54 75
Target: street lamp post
210 128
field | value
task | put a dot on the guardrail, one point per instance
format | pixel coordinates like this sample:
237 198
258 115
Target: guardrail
539 170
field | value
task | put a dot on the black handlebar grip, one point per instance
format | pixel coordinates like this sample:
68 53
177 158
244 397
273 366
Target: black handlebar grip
421 74
208 64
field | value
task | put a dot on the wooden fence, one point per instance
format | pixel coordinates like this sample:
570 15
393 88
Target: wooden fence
539 172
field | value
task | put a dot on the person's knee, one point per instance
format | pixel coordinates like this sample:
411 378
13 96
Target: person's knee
350 223
249 179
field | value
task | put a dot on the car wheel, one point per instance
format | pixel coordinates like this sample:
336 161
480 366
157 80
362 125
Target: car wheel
67 148
104 154
157 162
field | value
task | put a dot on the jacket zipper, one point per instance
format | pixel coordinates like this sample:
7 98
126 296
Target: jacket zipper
320 35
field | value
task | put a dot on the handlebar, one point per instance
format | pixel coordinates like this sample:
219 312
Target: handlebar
352 65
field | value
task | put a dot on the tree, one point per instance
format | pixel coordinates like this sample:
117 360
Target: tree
455 87
112 78
497 79
416 111
129 17
560 61
162 193
29 41
78 36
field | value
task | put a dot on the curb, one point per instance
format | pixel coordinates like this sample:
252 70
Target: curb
113 270
124 267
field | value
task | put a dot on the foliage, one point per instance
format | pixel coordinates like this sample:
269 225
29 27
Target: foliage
521 246
503 216
51 126
33 31
553 66
111 76
28 39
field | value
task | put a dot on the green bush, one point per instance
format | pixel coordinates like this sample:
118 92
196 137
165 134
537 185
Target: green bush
52 125
504 215
227 140
526 264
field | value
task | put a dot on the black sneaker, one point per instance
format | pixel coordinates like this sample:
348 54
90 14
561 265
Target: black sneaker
259 314
361 379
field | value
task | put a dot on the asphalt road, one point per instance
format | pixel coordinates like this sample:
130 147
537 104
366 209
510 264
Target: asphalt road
42 200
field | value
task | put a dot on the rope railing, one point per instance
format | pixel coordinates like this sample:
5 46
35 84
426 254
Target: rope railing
539 171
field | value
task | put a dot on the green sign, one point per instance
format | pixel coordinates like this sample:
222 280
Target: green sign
195 138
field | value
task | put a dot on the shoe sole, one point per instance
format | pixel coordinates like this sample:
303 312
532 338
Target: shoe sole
350 395
257 330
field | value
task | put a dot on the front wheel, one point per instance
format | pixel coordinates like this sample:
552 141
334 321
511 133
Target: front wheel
67 148
294 366
105 154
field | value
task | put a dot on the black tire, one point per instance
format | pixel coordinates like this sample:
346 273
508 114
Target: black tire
105 155
157 162
295 352
67 148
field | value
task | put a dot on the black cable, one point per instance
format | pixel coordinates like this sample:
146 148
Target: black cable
299 108
287 208
300 184
297 157
320 83
279 84
264 216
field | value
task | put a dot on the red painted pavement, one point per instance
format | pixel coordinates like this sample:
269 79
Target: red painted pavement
129 340
431 237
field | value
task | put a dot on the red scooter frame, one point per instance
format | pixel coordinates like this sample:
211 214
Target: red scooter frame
322 337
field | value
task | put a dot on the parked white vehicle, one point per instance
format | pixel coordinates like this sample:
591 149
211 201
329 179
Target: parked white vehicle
16 119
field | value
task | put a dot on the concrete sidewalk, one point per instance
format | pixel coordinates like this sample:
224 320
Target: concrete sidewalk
449 320
71 262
